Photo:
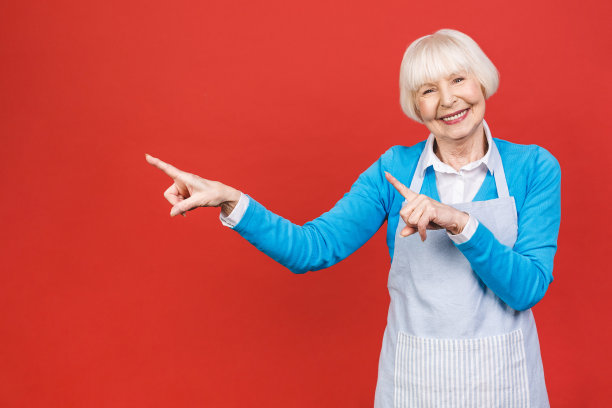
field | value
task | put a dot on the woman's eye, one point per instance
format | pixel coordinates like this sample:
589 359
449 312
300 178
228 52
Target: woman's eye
459 79
427 91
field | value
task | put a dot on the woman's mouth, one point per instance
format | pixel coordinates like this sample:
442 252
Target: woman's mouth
455 117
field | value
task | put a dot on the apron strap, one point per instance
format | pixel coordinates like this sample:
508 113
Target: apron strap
496 166
419 175
498 173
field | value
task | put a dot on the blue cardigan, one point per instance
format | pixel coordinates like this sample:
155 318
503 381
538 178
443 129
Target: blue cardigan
519 276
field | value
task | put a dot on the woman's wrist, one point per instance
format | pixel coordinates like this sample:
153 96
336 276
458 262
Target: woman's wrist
231 199
461 221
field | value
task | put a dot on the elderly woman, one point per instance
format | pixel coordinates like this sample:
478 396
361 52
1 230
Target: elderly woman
472 228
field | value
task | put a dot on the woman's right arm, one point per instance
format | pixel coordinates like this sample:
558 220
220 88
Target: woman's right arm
326 240
329 238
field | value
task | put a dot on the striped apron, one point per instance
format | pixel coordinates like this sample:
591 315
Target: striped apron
449 340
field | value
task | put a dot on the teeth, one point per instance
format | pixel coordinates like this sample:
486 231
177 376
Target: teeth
457 116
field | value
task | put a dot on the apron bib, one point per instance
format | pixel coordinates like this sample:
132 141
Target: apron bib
449 340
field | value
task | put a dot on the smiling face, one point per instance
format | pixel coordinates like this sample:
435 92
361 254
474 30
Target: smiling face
452 108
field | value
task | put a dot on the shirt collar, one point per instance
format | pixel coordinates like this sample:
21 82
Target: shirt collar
430 158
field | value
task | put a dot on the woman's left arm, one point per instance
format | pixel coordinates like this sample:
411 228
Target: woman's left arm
520 275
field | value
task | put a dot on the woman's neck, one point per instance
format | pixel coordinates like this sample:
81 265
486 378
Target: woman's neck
458 153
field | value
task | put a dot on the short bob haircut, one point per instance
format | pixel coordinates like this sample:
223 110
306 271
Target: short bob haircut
440 55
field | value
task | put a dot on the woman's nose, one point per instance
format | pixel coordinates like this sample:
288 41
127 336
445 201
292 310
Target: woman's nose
447 98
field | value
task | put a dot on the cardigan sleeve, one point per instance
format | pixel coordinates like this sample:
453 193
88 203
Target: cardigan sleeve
331 237
520 275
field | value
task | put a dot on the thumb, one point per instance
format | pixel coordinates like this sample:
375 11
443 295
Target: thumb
184 206
407 231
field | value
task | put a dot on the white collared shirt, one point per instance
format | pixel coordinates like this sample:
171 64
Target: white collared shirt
453 187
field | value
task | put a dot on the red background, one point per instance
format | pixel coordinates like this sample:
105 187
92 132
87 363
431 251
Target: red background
106 301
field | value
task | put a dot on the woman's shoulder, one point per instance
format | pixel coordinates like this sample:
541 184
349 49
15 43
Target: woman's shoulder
526 157
532 162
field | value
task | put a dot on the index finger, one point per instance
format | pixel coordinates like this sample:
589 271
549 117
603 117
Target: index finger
169 169
403 190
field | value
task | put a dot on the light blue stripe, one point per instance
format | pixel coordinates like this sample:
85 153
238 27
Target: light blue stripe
481 372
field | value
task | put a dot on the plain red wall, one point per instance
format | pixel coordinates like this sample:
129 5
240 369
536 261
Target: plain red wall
106 301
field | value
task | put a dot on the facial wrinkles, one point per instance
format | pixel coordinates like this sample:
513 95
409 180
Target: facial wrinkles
446 97
445 102
456 100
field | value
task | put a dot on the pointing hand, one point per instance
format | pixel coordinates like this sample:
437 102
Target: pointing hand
422 213
189 191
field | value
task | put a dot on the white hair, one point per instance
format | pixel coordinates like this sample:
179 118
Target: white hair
440 55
